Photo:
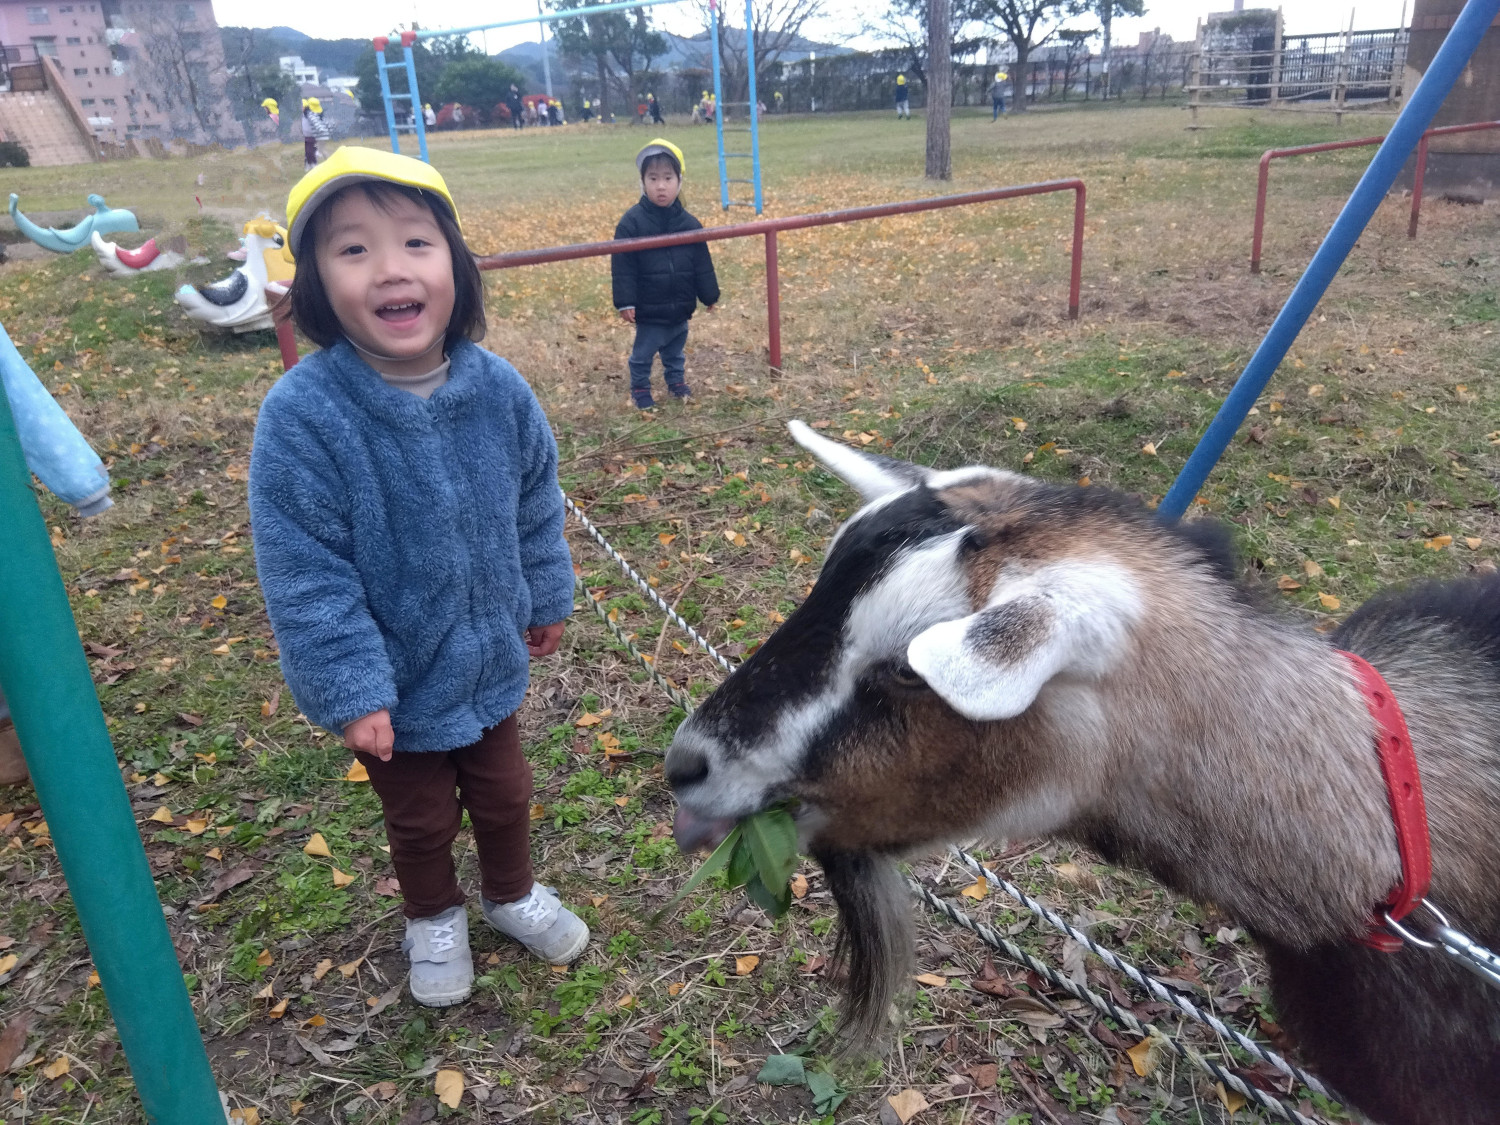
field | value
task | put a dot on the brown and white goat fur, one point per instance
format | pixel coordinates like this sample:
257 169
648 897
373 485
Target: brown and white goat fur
987 654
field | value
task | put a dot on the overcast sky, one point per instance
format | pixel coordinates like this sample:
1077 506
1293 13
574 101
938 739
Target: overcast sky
334 20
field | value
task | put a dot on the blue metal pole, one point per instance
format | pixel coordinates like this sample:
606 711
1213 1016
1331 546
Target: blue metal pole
385 98
551 17
417 115
1424 102
754 103
713 35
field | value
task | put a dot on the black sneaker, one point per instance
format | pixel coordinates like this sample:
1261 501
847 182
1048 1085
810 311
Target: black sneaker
680 390
643 400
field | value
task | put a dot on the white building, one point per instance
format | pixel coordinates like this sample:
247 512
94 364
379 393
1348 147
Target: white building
301 73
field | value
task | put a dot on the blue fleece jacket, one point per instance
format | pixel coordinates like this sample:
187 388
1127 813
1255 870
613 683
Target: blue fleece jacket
404 544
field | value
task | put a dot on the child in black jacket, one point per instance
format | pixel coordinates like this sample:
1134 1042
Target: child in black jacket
658 290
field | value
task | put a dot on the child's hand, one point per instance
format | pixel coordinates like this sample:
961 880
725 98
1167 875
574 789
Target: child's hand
373 733
627 315
709 308
542 640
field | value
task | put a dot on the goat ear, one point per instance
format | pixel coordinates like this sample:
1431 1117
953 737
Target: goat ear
870 475
991 665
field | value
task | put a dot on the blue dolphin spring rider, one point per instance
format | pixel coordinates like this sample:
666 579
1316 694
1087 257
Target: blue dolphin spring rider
105 220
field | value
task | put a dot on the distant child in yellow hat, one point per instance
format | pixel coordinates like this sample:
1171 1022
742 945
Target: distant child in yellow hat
409 543
658 290
903 98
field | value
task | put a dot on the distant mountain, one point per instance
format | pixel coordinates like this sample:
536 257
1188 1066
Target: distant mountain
259 45
684 52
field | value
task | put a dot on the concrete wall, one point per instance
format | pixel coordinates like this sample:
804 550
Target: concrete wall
1469 163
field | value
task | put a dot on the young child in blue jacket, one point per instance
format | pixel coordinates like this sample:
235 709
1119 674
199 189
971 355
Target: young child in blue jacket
409 539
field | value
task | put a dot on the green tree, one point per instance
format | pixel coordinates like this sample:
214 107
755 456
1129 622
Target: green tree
618 43
478 82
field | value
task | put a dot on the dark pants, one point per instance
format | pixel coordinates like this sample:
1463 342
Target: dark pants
669 340
998 105
425 795
309 150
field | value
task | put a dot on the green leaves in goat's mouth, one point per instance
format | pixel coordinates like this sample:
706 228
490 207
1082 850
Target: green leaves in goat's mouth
759 854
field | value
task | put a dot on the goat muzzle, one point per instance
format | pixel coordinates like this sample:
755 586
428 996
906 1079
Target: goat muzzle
693 832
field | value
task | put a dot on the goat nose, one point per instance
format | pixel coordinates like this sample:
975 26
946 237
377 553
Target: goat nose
686 767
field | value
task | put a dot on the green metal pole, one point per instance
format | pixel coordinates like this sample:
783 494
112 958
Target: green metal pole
45 677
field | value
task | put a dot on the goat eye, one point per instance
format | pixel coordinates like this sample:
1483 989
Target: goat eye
904 675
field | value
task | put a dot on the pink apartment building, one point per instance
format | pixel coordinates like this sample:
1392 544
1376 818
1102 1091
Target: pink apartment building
139 69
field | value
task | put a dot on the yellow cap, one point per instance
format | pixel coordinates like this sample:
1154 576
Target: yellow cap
900 80
352 165
660 146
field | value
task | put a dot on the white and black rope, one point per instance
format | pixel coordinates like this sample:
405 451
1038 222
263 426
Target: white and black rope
1150 984
1143 980
645 587
1105 1006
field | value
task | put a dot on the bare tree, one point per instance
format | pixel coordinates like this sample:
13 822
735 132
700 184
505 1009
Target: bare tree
939 89
182 73
1107 10
1027 24
778 26
904 22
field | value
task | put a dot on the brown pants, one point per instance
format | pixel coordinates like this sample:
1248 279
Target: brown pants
425 795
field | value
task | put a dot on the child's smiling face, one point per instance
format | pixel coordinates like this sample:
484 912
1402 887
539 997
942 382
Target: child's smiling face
661 184
388 274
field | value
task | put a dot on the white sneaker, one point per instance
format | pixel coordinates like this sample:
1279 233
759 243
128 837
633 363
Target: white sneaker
442 971
541 923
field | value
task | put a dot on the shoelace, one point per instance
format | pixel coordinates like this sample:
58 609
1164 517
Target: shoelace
534 908
441 938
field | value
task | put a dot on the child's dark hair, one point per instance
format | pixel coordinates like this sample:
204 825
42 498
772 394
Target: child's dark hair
310 307
660 160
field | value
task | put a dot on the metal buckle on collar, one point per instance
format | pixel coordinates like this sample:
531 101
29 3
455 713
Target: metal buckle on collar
1465 950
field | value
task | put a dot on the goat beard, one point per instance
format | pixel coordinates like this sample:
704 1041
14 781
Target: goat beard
874 945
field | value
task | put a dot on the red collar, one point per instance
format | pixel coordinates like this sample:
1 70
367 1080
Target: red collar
1403 781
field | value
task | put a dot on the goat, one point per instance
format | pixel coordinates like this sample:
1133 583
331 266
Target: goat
985 653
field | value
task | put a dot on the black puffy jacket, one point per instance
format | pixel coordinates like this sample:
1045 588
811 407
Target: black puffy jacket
663 285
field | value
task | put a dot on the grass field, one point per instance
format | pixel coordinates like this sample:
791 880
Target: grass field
939 337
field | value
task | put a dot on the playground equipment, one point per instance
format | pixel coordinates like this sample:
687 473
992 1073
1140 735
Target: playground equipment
105 220
1405 135
413 99
242 301
45 677
52 446
121 262
1329 146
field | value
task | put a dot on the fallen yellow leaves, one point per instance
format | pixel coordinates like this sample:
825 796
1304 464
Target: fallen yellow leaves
162 815
264 959
57 1068
976 890
342 878
589 719
318 846
675 988
321 969
349 968
1328 601
1287 582
279 1008
734 537
1311 569
932 980
799 885
1473 542
448 1085
1438 542
220 602
744 966
357 772
249 1115
1149 449
1144 1057
8 962
906 1105
1231 1099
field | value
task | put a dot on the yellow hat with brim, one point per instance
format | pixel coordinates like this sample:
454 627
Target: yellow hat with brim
660 147
900 80
354 165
